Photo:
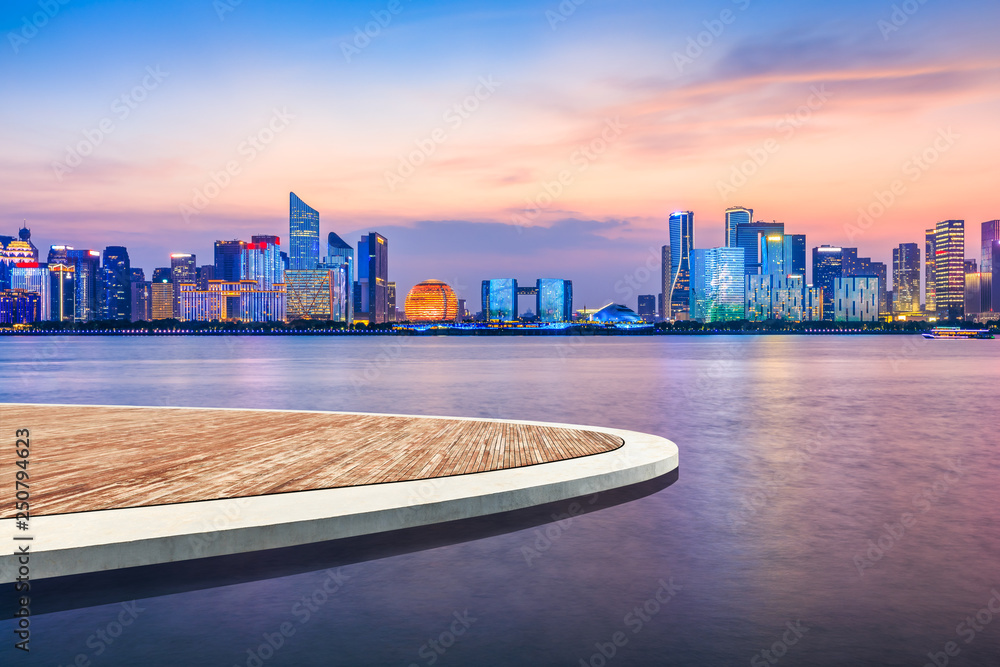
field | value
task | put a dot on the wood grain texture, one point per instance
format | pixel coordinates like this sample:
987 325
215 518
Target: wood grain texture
93 458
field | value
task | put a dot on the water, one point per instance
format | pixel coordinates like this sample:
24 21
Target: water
795 453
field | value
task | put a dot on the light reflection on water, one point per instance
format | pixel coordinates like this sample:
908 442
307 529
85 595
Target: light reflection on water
795 452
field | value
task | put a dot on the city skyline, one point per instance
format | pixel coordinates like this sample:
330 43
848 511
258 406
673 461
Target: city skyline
849 106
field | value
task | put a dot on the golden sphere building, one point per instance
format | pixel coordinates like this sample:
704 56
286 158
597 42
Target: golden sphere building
431 301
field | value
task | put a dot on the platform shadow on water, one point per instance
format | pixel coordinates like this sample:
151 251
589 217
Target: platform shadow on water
88 590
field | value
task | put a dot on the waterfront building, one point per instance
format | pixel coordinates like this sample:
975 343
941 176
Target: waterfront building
554 300
62 292
262 262
776 297
371 303
183 270
500 300
906 278
431 301
828 266
735 215
795 254
949 270
116 285
303 233
204 273
615 313
14 251
681 225
228 301
141 298
320 294
32 277
19 307
973 294
161 294
856 299
772 255
748 237
229 257
391 299
647 307
930 272
990 280
813 304
717 285
87 276
665 281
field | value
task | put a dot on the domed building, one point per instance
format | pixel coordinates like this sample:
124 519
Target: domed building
431 301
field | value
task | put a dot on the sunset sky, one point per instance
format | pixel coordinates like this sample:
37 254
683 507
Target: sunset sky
339 119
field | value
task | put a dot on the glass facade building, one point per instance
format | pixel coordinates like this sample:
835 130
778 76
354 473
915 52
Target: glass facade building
87 277
116 285
717 285
225 301
748 237
339 252
856 299
62 293
828 266
774 297
554 300
665 280
373 278
989 267
949 268
736 215
500 300
319 294
31 277
303 233
161 294
183 270
19 307
930 271
681 244
906 278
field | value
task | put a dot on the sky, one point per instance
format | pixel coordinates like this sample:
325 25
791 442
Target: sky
496 139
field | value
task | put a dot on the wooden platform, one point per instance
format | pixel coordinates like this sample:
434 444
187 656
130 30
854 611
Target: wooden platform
99 458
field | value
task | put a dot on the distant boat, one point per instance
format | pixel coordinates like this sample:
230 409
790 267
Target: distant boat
954 333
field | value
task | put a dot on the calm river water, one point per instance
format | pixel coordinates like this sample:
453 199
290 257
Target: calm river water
801 460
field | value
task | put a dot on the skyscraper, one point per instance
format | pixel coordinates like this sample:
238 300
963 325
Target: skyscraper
500 300
373 278
31 277
988 267
116 285
141 299
665 281
930 272
717 284
736 215
795 255
772 255
855 299
949 271
87 270
554 300
390 295
906 278
681 243
161 294
339 253
229 260
748 237
183 270
303 232
647 307
828 266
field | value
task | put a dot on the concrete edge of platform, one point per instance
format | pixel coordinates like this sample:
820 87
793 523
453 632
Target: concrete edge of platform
110 539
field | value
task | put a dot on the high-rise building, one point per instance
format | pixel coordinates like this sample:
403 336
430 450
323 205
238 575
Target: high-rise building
391 301
717 287
205 273
338 252
183 271
116 286
906 278
161 294
736 215
856 299
87 276
500 300
795 254
262 262
141 298
748 237
554 300
930 271
14 251
777 297
226 301
880 271
303 233
828 266
32 277
373 278
665 280
62 292
681 244
773 256
320 294
949 270
19 307
229 256
973 292
990 277
647 307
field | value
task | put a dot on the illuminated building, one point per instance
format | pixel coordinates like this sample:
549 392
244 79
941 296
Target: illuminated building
681 226
205 273
338 252
772 255
431 301
828 266
500 300
772 297
183 269
665 280
736 215
615 313
229 260
554 300
161 294
87 276
320 294
14 251
930 272
647 307
141 298
795 254
30 277
717 285
228 301
856 299
303 232
906 278
116 285
391 301
989 267
19 307
373 279
748 237
949 268
973 293
813 304
262 262
62 292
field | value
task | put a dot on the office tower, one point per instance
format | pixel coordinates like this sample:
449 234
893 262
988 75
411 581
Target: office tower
852 265
205 273
828 266
647 307
229 256
14 251
391 301
303 233
748 237
500 300
795 254
62 292
681 243
554 300
949 270
990 280
717 287
339 251
183 270
856 299
141 301
225 301
778 297
880 271
906 278
772 255
161 294
973 293
31 277
736 215
319 294
373 278
813 304
87 270
116 287
463 312
665 280
930 272
262 262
